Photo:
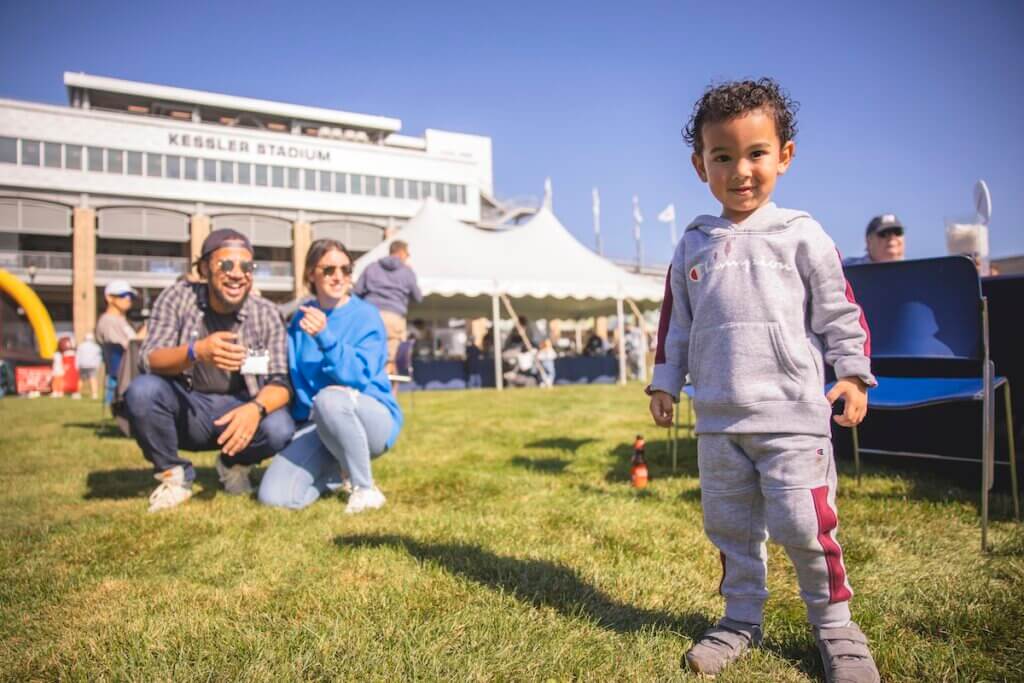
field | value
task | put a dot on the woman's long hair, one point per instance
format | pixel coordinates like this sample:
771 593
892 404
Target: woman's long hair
315 253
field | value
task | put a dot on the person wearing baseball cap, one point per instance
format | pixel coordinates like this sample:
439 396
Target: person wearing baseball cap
884 241
216 374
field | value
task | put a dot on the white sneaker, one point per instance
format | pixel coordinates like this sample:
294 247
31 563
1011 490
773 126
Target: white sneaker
362 500
172 491
235 478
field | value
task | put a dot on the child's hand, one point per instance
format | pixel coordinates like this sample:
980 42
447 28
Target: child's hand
662 407
854 393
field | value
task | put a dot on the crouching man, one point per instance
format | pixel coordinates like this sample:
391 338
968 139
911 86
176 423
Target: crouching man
216 363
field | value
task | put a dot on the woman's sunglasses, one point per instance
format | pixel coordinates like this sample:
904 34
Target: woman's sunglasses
226 265
329 271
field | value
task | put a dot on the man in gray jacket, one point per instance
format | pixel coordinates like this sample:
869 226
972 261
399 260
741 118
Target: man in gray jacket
389 284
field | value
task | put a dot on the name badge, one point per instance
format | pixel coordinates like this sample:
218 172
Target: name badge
256 364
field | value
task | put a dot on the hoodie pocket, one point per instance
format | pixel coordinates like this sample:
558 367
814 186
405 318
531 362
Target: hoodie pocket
742 363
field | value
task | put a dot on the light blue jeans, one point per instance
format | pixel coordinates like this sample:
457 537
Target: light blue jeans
346 430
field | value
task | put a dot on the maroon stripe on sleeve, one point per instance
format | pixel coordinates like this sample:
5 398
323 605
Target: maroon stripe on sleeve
664 319
863 320
827 523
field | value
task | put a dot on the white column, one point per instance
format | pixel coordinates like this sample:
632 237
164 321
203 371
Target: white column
496 336
621 318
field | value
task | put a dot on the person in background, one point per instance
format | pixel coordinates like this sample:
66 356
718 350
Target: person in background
546 356
113 329
88 360
389 284
337 352
57 381
216 362
883 240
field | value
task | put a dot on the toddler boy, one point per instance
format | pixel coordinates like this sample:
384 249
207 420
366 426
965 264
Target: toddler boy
755 305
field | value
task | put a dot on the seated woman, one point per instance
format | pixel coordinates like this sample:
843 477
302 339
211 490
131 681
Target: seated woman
337 351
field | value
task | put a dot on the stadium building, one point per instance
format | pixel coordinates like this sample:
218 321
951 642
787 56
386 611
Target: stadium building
127 180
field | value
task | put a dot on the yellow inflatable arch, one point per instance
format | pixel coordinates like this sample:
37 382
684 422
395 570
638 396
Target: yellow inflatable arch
38 316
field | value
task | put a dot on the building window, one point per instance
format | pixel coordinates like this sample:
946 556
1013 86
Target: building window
51 154
191 168
94 157
293 178
325 181
227 171
439 191
462 194
154 165
115 161
30 152
73 157
173 166
399 188
425 189
9 150
277 176
261 175
371 185
244 173
385 187
133 163
414 189
356 183
453 194
210 170
309 176
340 182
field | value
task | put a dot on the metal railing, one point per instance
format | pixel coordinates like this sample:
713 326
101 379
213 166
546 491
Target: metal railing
40 260
170 265
265 269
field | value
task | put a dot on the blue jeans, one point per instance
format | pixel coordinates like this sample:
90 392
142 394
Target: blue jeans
165 416
347 429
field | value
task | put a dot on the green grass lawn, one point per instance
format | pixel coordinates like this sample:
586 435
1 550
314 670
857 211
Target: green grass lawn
511 548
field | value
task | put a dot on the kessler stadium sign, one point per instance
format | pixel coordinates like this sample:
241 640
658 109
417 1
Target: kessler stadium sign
264 149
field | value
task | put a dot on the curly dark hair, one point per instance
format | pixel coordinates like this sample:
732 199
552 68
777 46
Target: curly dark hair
729 100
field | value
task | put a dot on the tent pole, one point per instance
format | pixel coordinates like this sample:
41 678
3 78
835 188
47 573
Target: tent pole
644 339
496 334
621 325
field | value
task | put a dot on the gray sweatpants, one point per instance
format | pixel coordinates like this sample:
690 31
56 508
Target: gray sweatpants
781 485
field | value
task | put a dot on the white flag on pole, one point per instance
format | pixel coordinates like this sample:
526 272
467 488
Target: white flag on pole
596 205
638 217
668 214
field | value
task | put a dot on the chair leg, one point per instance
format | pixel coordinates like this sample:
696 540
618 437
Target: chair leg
1013 452
856 454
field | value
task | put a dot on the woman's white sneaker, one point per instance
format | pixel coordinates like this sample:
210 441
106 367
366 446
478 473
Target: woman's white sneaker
172 491
362 500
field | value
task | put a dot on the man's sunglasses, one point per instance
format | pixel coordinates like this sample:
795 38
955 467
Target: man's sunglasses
226 265
890 232
329 271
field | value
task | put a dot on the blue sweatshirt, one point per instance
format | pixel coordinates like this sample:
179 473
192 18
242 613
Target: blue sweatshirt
351 351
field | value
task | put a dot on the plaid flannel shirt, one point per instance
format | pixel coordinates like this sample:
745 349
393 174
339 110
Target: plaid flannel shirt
177 318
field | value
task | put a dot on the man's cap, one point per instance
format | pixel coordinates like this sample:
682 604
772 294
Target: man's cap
119 288
883 222
225 237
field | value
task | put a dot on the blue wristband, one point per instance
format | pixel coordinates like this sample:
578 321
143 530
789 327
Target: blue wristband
191 352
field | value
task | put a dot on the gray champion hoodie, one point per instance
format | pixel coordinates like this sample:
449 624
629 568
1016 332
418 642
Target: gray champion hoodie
752 312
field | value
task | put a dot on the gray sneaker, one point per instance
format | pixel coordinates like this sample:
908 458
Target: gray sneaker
721 645
845 655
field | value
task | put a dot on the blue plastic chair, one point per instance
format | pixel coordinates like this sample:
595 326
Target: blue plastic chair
929 345
112 354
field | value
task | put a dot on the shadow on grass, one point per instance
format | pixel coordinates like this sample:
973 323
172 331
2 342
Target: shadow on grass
561 443
103 429
539 583
547 465
659 460
136 483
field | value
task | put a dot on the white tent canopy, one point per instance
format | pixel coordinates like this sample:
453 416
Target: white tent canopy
540 265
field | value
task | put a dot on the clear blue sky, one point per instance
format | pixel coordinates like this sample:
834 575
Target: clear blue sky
904 105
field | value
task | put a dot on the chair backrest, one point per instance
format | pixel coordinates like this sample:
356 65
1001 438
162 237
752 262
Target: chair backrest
112 354
403 357
927 308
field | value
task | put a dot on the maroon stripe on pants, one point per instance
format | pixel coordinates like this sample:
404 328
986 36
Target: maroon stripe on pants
664 319
827 523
